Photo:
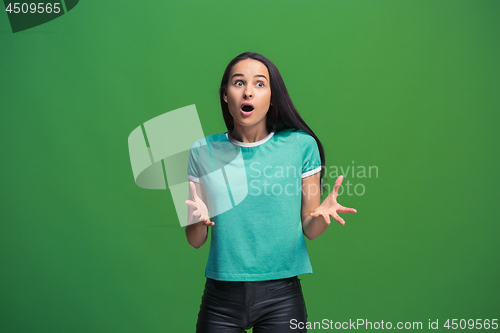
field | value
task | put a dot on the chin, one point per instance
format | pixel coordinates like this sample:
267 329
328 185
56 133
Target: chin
250 122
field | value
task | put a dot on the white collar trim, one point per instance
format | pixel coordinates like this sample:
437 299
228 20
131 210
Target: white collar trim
248 144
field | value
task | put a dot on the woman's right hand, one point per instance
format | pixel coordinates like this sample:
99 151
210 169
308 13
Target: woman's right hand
200 210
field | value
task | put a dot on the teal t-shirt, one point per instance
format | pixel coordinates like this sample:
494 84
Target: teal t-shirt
254 197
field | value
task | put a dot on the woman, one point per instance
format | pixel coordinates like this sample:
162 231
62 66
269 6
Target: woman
261 182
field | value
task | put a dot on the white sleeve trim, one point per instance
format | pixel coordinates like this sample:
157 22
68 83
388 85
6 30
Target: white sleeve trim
193 178
311 172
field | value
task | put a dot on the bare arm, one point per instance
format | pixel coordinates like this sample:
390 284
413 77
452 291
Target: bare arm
316 217
198 218
311 199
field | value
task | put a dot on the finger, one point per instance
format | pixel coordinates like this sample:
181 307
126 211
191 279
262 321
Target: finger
327 218
336 186
346 210
208 223
316 213
192 189
191 204
337 218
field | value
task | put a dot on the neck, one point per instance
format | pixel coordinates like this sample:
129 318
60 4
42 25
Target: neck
249 133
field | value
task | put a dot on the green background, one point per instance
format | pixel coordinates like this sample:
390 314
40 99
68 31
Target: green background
411 87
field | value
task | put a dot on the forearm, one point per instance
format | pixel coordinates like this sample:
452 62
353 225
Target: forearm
196 234
313 226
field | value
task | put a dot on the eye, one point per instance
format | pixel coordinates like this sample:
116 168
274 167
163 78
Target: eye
260 84
238 83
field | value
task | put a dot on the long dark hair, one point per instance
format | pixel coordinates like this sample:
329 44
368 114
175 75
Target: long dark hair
282 113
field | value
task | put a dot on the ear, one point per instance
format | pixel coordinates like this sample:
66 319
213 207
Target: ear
225 98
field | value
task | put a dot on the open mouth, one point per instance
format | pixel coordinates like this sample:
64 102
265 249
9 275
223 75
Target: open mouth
247 109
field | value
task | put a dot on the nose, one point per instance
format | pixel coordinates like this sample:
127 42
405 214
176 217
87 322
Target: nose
248 93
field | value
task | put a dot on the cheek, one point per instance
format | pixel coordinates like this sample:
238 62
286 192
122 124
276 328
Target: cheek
267 99
233 107
268 95
234 100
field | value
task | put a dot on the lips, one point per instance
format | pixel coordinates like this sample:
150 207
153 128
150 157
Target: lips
247 109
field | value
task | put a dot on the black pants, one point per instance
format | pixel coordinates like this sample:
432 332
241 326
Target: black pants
267 306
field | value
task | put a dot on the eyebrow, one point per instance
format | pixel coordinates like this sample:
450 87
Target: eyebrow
258 75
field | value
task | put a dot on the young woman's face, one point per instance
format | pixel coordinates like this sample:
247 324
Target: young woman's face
249 93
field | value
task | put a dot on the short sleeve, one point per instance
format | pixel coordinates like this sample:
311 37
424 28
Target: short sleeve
193 173
311 160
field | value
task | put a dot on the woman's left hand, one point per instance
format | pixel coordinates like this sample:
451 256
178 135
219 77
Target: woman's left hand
330 207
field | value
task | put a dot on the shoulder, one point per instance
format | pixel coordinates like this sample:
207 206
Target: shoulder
297 135
221 137
293 132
